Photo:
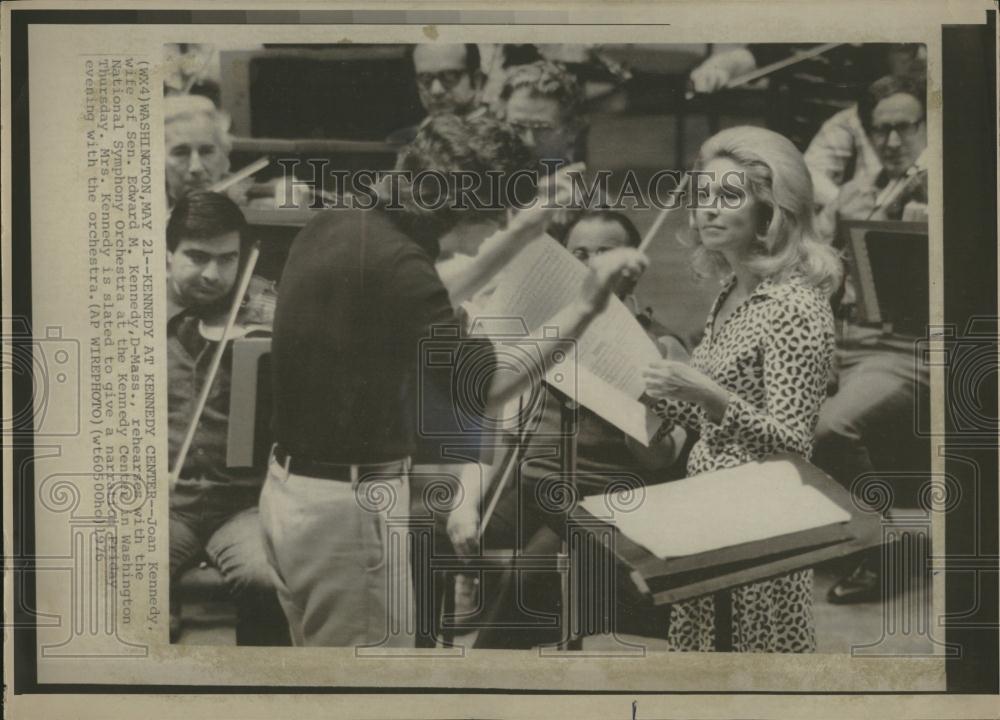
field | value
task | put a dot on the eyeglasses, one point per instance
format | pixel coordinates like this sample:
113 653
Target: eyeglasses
447 78
522 125
905 130
583 255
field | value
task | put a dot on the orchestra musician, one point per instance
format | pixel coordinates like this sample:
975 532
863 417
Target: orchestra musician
841 148
449 80
358 294
813 101
542 101
879 379
755 383
891 110
213 510
606 457
197 144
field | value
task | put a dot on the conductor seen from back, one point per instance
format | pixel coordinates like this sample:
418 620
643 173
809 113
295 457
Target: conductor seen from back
358 294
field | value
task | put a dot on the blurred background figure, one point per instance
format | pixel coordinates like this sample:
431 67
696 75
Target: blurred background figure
191 69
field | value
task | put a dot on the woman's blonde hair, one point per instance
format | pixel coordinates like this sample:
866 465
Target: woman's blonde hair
777 177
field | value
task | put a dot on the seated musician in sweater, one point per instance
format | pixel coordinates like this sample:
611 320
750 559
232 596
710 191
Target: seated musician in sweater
213 509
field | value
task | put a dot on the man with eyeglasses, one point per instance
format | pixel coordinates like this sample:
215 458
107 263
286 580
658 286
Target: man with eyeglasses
865 423
541 100
449 80
892 113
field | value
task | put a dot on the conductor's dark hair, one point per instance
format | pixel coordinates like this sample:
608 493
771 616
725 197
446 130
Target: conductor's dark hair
449 143
914 84
204 215
632 236
452 145
472 58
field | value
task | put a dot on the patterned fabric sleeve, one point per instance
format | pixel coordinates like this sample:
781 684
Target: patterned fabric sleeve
798 350
674 413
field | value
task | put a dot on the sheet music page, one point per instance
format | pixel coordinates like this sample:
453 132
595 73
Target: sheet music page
536 284
721 509
612 351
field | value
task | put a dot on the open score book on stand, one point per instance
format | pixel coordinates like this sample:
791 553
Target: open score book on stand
721 509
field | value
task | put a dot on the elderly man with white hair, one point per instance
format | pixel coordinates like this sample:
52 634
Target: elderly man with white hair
197 144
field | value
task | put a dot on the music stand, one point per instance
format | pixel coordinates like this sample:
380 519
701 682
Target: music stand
250 403
889 267
665 581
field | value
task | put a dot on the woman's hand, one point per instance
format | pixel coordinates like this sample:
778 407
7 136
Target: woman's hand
607 272
679 381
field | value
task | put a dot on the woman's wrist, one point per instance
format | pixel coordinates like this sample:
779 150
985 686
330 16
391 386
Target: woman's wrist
715 403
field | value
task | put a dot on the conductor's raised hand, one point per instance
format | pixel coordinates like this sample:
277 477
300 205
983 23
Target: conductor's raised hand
608 271
555 195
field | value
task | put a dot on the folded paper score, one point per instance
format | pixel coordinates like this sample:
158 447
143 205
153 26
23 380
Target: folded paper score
610 355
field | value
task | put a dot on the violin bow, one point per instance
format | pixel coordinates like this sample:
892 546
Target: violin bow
901 186
213 368
509 465
197 75
773 67
254 167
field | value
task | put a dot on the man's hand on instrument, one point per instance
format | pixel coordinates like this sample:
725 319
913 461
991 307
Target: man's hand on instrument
856 201
680 381
463 528
607 272
708 78
720 68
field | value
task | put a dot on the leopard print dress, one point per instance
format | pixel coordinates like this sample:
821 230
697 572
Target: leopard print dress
773 356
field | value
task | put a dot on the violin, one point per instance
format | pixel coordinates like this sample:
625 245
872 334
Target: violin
254 317
226 331
911 186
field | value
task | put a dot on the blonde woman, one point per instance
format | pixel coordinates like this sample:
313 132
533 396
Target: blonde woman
754 385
